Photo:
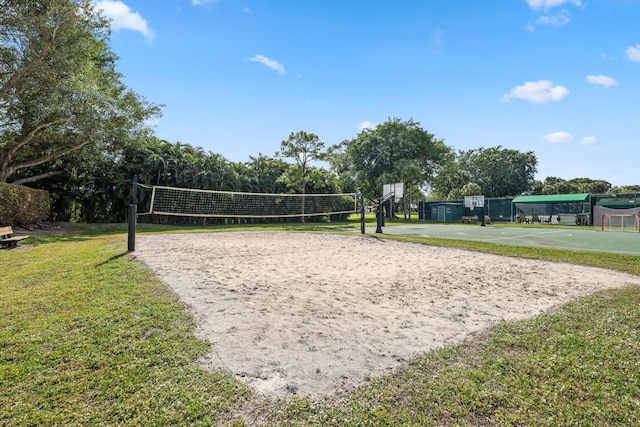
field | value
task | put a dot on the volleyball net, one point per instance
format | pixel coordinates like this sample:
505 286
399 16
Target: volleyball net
187 202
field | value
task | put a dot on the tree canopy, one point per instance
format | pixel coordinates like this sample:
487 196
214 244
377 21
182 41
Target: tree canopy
395 151
554 185
304 148
59 90
498 171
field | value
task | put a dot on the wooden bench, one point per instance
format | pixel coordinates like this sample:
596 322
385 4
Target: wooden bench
7 238
468 219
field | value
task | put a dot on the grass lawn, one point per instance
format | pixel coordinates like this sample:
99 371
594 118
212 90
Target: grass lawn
88 336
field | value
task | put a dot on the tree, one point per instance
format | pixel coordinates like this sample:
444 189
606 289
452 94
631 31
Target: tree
588 185
554 185
264 173
471 189
304 148
450 181
499 172
59 91
625 189
395 151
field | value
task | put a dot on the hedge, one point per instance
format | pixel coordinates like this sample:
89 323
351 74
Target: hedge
22 205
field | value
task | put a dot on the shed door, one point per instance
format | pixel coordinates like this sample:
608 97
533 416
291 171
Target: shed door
442 216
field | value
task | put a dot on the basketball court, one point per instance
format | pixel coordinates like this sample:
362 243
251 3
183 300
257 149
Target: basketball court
579 239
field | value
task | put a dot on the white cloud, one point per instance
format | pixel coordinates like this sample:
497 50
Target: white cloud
558 20
589 140
558 137
123 18
201 2
274 65
537 92
366 125
633 53
601 80
548 4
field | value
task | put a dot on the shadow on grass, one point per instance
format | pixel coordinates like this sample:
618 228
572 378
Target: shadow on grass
113 258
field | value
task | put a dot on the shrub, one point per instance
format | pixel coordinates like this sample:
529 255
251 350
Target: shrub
22 205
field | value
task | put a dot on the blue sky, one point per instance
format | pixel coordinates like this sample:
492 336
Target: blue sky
560 78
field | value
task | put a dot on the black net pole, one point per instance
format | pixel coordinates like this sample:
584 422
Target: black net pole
361 197
133 211
379 217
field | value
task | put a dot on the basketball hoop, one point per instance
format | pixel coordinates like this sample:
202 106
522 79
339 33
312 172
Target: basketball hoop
473 202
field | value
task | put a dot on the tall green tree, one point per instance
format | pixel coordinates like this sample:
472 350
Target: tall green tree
588 185
500 172
555 185
395 151
59 90
304 148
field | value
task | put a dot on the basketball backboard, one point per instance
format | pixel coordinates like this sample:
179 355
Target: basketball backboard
473 202
396 189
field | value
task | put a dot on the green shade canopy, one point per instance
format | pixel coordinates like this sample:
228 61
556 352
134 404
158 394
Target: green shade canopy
553 198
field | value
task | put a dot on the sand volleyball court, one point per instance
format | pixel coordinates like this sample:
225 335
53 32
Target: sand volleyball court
316 314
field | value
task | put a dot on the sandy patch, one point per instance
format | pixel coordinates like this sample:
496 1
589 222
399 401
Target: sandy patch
315 314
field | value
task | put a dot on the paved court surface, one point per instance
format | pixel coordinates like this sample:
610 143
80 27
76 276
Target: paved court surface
578 238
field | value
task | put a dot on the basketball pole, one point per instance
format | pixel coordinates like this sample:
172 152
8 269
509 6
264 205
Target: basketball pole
133 210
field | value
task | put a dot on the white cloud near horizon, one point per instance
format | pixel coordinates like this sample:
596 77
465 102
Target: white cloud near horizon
558 137
537 92
268 62
123 18
589 140
549 4
601 80
633 53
